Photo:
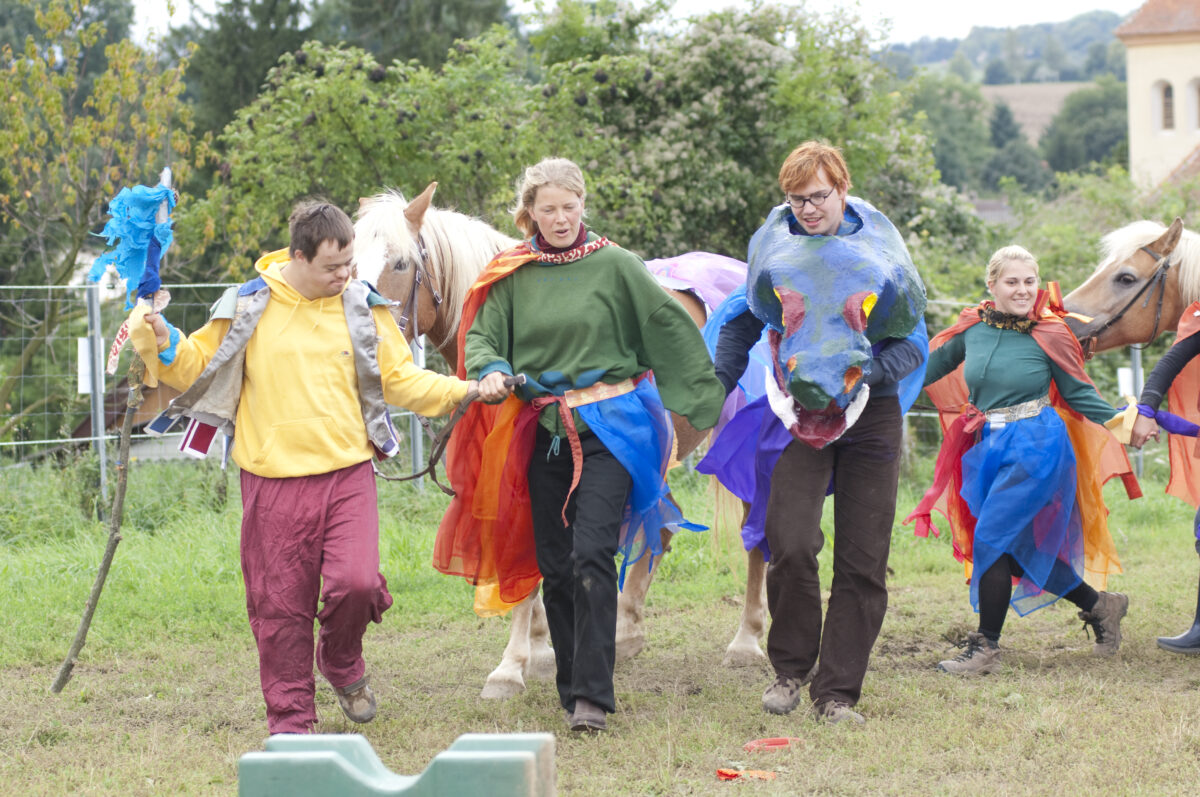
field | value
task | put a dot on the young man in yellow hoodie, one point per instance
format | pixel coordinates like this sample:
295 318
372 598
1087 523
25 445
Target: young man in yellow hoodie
303 362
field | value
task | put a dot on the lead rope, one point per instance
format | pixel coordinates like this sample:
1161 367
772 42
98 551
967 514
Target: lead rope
442 439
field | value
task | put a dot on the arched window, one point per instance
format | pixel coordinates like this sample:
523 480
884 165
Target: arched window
1168 107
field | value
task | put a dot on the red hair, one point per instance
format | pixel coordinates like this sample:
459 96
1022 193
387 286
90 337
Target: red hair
805 161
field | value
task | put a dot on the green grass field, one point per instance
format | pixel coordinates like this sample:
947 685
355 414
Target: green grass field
165 696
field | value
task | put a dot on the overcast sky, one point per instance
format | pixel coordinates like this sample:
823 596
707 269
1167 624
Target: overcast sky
934 18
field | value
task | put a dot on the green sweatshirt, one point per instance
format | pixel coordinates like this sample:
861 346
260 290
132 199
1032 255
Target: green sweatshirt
602 318
1004 367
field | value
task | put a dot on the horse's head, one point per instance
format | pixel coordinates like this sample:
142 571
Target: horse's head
390 252
1147 275
826 300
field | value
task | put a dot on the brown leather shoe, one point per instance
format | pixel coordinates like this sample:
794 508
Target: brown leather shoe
357 700
587 716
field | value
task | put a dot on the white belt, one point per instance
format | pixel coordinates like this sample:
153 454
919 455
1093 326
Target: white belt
1026 409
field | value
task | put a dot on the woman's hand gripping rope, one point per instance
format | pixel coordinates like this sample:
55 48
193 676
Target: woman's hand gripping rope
442 438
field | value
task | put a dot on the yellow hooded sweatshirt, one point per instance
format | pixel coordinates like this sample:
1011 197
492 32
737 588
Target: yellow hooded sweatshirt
299 412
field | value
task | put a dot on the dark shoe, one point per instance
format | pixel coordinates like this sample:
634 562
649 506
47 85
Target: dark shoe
834 712
1187 642
357 700
980 656
587 716
1105 620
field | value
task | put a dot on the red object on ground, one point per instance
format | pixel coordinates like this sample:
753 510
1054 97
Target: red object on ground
773 743
735 774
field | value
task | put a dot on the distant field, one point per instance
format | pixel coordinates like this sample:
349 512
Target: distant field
1033 104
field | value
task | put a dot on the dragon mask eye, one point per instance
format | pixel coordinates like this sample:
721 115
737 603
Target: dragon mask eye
858 309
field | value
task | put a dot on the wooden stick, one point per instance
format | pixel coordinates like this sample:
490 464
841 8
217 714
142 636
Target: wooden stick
132 402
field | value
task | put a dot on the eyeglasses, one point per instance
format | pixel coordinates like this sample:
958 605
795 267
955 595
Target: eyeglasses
816 200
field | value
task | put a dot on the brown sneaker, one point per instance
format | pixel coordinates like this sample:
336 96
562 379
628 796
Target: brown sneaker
783 695
981 656
834 712
1105 620
587 716
357 700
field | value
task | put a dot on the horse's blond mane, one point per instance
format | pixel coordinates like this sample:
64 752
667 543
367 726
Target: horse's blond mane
458 246
1121 244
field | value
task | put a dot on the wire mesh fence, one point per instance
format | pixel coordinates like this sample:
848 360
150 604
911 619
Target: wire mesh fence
52 358
49 348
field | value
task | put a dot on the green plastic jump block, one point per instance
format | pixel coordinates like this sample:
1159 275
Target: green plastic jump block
345 765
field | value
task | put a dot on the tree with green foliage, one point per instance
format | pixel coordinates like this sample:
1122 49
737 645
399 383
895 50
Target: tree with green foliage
18 21
1003 127
1089 129
231 49
680 136
997 73
1018 160
405 29
953 113
62 159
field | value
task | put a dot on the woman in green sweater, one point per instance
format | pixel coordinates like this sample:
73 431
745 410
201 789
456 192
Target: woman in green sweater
1016 512
603 349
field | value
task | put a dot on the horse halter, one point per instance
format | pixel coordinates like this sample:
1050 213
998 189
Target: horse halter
1159 278
420 277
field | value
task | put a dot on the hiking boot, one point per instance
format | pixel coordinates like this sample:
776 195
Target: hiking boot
357 700
783 695
1105 620
980 656
587 716
833 712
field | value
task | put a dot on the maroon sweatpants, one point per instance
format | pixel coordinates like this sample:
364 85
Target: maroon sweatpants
306 539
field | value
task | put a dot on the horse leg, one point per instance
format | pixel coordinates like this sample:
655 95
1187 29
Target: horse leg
631 605
746 648
541 655
508 679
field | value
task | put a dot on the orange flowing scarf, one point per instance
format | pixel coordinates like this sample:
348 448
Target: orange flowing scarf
1185 470
1098 455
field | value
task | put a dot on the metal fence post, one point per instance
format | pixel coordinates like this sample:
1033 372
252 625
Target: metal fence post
96 384
415 441
1135 365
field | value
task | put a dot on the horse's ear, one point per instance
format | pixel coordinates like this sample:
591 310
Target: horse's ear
1167 242
415 211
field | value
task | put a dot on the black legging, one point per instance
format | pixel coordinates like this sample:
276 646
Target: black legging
995 592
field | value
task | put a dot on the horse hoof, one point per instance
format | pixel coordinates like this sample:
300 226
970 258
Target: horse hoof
629 647
497 689
749 656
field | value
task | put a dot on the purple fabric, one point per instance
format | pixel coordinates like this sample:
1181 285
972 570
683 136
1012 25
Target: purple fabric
712 277
1169 421
755 435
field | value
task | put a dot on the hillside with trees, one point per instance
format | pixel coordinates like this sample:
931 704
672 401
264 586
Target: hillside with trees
1081 48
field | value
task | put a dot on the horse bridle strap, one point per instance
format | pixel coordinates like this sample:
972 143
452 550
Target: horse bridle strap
420 277
1159 278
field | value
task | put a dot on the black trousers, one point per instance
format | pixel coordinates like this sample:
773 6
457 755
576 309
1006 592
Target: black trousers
865 466
579 575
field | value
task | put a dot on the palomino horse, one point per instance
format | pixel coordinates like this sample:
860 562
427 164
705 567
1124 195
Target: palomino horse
1148 275
425 259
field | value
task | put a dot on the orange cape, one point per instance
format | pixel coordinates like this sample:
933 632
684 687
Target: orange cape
1185 469
486 535
1098 455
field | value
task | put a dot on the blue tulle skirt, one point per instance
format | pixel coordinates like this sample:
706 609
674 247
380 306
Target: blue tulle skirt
637 430
1019 482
